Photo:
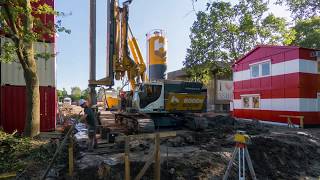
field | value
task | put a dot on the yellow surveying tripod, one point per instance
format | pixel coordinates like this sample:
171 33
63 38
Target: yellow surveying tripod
241 149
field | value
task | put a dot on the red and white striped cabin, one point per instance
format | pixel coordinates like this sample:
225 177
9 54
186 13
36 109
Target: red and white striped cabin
270 81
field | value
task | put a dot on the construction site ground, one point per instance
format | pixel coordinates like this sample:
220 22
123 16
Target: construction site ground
277 152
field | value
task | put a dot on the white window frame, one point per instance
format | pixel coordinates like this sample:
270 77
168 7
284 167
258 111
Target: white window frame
260 68
251 72
260 73
250 96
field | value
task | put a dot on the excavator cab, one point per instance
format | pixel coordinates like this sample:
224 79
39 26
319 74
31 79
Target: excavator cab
148 97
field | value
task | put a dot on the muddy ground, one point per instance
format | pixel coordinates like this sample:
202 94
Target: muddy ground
276 152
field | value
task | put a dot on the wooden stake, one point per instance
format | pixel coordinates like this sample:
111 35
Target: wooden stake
126 159
289 122
157 166
301 122
71 162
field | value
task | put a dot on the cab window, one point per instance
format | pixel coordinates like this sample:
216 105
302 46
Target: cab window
149 93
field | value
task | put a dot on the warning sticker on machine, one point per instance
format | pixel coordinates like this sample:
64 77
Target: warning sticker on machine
184 102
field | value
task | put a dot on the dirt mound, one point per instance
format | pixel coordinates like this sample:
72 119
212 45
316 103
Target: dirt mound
289 157
220 120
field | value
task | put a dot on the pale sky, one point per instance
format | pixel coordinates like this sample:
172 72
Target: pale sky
174 16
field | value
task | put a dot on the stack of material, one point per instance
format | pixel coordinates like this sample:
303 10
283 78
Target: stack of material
82 133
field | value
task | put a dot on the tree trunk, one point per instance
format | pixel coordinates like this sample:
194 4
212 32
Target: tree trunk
32 125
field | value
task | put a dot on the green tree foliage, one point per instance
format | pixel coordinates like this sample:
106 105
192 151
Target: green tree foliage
75 93
85 94
302 9
224 32
307 33
62 94
276 31
59 94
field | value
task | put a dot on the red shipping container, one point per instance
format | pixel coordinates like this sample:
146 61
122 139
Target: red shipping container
13 108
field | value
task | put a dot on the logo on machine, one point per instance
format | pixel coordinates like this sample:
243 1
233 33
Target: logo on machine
192 100
158 45
184 102
159 49
174 100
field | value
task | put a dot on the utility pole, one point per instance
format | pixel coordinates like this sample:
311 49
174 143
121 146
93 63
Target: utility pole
92 46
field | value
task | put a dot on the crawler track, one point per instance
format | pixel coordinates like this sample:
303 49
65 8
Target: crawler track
141 123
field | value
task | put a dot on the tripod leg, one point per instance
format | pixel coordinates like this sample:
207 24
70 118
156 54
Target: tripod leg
225 176
239 164
253 174
243 164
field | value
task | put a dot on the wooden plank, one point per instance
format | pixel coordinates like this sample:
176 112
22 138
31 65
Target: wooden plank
145 167
148 135
8 175
291 116
156 155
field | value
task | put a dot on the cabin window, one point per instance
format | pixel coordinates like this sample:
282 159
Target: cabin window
255 70
318 65
250 101
265 67
260 69
245 102
149 93
255 102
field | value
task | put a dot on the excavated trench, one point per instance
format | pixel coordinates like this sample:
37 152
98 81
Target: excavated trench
276 153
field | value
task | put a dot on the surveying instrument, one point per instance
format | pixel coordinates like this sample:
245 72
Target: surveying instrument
241 139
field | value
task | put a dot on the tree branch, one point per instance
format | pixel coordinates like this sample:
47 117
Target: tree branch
15 35
4 23
20 55
11 24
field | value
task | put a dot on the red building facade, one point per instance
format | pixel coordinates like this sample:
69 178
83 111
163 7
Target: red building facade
270 81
